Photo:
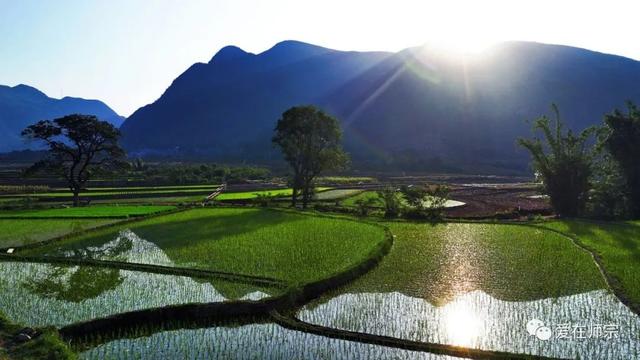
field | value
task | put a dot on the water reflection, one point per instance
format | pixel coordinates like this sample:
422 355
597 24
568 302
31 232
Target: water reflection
126 247
478 320
42 294
255 341
73 284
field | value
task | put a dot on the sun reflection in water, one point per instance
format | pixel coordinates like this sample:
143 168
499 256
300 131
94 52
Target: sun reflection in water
462 324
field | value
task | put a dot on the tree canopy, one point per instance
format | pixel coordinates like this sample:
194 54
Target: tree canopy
621 138
79 147
563 161
310 142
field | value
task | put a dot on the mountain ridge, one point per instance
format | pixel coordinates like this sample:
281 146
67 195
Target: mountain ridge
22 105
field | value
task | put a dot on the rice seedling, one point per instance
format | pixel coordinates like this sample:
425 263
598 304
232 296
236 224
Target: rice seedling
122 211
19 232
510 262
282 245
617 244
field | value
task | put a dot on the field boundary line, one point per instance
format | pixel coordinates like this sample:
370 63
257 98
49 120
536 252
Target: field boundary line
296 324
611 280
92 229
150 268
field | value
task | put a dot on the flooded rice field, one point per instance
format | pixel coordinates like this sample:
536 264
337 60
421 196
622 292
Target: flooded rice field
592 325
44 294
125 247
254 341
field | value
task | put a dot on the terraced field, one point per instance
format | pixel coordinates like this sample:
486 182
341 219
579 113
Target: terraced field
452 288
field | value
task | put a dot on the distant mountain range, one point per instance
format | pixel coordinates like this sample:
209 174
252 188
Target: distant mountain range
22 105
418 109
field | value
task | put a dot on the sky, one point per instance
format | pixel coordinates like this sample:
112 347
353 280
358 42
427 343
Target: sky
127 52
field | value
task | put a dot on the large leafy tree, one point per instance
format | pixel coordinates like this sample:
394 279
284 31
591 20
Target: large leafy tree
564 162
621 138
310 142
79 147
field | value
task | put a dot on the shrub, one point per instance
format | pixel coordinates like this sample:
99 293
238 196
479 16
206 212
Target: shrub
392 201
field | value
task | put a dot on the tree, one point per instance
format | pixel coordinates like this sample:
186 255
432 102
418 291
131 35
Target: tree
392 201
621 138
310 142
563 162
79 147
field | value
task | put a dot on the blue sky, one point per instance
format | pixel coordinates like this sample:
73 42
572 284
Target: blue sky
127 52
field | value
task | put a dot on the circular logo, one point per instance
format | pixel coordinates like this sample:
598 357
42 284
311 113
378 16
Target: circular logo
543 333
533 325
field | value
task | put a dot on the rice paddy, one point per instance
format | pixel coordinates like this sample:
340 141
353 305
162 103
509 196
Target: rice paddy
479 321
252 341
473 285
510 262
44 294
617 244
245 195
20 232
283 245
123 211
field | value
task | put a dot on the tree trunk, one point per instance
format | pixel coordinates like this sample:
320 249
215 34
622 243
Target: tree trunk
76 197
294 196
305 195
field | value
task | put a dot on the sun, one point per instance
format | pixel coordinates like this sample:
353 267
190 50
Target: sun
462 43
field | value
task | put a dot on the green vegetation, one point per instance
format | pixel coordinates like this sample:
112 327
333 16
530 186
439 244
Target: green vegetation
283 245
123 211
346 180
182 173
335 194
47 345
564 162
21 189
79 147
621 138
352 200
245 195
94 192
309 140
510 262
617 244
20 232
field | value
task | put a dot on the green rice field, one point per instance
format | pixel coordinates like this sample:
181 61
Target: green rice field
122 211
287 246
19 232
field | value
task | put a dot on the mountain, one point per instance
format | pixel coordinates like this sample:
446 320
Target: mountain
418 109
22 105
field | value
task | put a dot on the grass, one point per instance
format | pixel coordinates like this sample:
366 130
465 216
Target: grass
283 245
48 345
244 195
510 262
90 193
617 244
337 194
346 179
88 212
351 201
20 232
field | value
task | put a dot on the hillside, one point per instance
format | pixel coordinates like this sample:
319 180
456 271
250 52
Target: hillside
23 105
415 109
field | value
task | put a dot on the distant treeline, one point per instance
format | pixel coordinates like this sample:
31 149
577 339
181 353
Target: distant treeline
186 173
